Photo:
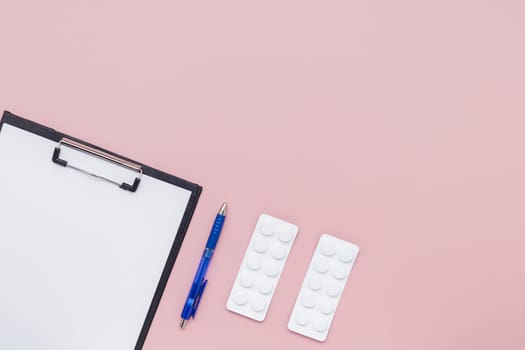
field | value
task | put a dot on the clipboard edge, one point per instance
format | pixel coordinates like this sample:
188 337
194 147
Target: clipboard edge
168 267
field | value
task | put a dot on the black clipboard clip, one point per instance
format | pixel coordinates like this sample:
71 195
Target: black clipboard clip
100 154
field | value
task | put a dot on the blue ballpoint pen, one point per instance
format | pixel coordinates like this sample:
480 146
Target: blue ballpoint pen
199 282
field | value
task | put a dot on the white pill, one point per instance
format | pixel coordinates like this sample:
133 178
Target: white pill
240 298
308 300
260 245
258 304
254 262
320 324
315 283
321 265
271 270
278 251
346 254
339 272
302 318
327 307
333 290
285 233
328 248
267 227
247 280
265 286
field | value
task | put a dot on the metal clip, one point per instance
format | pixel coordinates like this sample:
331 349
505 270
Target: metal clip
100 154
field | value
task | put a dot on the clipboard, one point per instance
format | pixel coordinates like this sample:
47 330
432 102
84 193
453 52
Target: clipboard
88 239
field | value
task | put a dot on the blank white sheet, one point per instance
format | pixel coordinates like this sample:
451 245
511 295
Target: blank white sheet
80 258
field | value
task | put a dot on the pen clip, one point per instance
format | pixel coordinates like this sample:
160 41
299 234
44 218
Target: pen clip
198 299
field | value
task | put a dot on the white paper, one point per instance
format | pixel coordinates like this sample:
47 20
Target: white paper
80 258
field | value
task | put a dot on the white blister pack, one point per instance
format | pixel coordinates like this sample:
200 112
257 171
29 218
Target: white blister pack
322 287
261 267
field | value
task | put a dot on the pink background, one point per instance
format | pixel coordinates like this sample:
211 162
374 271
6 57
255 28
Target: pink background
397 125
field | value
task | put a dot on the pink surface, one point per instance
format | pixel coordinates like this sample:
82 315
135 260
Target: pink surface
397 125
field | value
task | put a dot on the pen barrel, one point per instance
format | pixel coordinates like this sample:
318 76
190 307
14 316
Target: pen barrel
215 232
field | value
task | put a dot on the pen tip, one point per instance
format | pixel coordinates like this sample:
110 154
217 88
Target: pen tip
224 209
183 323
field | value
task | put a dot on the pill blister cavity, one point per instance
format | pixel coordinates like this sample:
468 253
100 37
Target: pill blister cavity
340 272
321 265
320 324
271 270
315 283
328 248
247 280
265 286
240 298
278 251
326 307
267 227
302 318
285 234
333 290
308 300
258 304
260 245
254 262
346 254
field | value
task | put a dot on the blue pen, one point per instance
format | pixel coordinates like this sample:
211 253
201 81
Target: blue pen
199 282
